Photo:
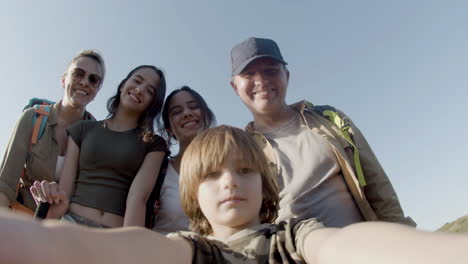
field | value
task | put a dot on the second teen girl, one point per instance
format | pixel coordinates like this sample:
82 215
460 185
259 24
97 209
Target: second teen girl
185 115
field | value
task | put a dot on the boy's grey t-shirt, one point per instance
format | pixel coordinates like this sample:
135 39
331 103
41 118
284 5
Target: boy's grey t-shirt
266 243
310 180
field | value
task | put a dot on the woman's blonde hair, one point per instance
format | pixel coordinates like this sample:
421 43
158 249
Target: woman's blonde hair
89 53
207 153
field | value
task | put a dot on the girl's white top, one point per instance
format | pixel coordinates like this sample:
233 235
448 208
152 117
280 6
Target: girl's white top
171 217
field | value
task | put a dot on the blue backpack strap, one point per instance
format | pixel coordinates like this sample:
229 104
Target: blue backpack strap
329 112
41 114
37 101
42 111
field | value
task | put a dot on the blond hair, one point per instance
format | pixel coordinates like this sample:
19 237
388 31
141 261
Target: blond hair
207 153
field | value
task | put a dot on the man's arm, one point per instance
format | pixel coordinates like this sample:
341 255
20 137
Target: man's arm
378 242
52 242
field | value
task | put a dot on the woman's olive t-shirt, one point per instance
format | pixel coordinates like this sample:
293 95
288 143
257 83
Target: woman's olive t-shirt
108 163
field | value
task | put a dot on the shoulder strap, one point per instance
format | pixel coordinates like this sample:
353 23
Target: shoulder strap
37 101
89 116
41 114
155 193
330 113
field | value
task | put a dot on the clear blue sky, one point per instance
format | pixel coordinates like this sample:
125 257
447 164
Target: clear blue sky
397 68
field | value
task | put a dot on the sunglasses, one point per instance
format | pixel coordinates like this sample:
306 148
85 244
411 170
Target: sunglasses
93 79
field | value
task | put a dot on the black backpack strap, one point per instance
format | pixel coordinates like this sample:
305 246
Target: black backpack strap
155 193
319 109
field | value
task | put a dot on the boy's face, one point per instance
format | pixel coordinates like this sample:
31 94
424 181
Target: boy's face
231 197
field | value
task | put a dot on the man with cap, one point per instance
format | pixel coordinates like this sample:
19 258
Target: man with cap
323 172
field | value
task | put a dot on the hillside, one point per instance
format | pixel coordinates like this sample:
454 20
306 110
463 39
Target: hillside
458 226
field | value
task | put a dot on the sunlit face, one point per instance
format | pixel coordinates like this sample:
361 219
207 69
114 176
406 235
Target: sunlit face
138 91
262 85
231 197
82 81
185 116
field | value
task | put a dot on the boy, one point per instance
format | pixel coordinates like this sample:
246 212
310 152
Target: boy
231 197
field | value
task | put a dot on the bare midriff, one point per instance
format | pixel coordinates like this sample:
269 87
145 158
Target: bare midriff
98 216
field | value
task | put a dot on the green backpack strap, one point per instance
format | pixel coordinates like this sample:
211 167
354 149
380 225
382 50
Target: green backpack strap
330 113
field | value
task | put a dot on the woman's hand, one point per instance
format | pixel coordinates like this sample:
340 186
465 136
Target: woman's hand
53 194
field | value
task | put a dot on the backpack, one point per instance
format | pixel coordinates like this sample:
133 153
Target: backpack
151 211
330 113
41 114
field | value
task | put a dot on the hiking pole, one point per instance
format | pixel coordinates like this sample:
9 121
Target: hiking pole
41 210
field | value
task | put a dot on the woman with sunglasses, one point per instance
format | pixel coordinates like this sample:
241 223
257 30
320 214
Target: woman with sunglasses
43 161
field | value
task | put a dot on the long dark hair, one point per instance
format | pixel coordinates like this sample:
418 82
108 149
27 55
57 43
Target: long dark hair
208 116
147 119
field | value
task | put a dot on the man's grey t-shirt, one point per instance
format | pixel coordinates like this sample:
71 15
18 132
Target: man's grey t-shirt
310 180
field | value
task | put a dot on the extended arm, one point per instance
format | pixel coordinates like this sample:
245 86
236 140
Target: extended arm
141 189
378 242
52 242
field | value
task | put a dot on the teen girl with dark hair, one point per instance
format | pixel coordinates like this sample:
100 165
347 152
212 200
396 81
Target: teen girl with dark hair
185 115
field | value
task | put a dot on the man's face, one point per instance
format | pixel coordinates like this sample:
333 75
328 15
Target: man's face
262 86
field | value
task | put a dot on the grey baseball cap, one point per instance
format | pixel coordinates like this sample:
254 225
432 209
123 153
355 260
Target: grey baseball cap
251 49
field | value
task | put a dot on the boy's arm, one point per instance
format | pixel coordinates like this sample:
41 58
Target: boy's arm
52 242
378 242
